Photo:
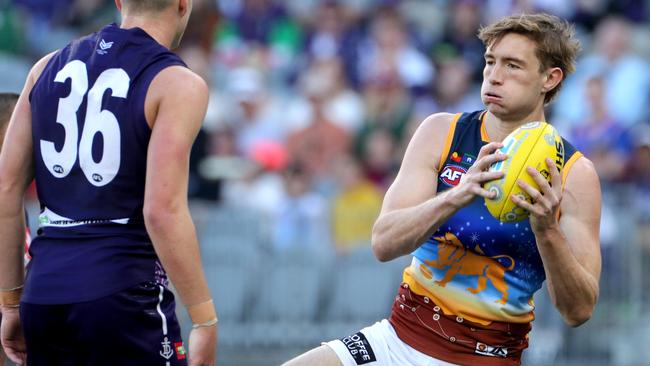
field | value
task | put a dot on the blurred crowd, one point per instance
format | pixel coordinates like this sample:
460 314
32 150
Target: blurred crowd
313 101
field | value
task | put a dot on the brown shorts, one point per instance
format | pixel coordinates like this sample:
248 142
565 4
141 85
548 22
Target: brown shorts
421 324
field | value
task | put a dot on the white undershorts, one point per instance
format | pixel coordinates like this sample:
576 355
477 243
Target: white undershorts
379 345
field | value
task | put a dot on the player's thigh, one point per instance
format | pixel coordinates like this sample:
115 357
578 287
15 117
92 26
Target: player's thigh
134 327
319 356
48 338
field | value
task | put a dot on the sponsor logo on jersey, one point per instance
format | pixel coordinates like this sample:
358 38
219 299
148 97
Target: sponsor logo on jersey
455 157
451 174
104 47
359 348
468 159
49 218
486 350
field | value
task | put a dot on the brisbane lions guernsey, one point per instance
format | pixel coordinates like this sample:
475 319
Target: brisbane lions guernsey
475 266
90 139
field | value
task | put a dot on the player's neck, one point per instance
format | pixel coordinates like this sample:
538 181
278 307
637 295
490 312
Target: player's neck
499 127
156 28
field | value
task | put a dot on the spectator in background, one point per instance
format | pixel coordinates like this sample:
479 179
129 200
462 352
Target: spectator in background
263 29
332 37
256 115
451 92
301 217
325 80
459 39
388 105
602 138
254 184
380 158
389 47
201 31
50 24
625 74
315 146
355 207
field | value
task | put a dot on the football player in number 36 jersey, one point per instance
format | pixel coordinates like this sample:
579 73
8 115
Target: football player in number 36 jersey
105 126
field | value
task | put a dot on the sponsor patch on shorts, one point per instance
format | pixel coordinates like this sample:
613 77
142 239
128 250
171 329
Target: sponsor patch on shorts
359 348
487 350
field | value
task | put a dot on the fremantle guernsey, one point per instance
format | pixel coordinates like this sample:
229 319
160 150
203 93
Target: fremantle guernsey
90 139
469 289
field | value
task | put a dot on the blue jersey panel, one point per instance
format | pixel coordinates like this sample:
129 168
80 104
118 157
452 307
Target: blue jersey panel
482 268
90 140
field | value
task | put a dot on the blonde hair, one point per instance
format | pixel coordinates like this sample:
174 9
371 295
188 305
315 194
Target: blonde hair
139 6
554 37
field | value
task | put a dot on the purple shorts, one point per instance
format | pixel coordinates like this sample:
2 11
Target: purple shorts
136 326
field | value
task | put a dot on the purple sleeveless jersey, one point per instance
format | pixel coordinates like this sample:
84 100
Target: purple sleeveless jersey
90 140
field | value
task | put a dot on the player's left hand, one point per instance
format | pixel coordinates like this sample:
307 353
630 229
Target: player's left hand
203 346
546 201
12 336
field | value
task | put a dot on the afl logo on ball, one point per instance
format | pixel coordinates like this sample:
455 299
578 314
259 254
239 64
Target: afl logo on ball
451 175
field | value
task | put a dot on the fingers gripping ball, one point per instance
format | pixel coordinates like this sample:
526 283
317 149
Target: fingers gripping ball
528 145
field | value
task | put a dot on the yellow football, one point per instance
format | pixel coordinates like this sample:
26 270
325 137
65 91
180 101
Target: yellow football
528 145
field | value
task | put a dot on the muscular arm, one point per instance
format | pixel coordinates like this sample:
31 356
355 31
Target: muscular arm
176 104
412 211
571 251
16 173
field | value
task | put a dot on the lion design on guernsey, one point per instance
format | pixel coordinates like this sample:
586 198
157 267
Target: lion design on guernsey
458 260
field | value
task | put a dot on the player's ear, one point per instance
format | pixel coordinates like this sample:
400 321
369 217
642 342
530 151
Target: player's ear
184 6
552 78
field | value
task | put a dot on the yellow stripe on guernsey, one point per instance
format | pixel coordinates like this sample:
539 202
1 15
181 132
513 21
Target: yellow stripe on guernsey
457 302
568 165
448 140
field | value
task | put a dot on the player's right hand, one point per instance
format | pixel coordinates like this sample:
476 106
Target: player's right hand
11 333
471 184
203 346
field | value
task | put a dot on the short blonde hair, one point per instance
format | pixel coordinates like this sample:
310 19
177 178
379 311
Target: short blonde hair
555 38
139 6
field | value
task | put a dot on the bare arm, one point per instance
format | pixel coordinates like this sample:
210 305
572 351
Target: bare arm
175 107
176 103
412 211
570 247
16 173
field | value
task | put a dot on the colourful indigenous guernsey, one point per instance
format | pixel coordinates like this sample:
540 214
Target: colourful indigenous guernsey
475 275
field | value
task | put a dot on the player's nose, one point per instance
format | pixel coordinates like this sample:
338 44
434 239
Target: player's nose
495 75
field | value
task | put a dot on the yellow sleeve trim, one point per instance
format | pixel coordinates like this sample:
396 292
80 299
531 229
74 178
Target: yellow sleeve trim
567 167
484 134
448 140
565 173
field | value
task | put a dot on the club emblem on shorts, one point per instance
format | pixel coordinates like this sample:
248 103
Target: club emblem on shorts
167 351
486 350
359 348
